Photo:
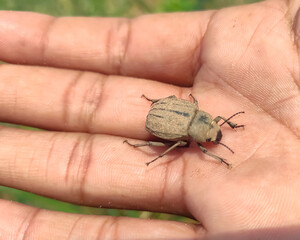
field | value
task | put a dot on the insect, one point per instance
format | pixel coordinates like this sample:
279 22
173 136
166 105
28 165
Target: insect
179 121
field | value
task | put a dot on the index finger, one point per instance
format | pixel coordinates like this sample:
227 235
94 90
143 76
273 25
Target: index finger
162 47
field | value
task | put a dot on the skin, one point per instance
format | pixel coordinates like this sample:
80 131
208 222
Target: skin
82 78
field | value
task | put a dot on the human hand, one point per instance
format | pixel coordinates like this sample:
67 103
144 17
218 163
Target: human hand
85 91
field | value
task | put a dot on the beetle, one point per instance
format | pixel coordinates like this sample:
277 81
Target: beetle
179 121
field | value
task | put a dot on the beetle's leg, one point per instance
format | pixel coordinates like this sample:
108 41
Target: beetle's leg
194 99
231 124
151 100
149 143
177 144
222 160
226 120
156 100
158 144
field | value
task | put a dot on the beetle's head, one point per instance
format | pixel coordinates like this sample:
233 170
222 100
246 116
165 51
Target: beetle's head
216 134
219 136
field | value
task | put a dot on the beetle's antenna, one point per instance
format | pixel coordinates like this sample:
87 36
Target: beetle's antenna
226 147
231 117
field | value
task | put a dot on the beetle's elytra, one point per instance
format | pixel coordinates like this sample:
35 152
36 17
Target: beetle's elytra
178 121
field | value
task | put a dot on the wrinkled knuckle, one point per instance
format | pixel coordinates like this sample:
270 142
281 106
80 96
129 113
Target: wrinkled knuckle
91 103
109 228
70 93
119 40
83 97
45 39
78 163
29 225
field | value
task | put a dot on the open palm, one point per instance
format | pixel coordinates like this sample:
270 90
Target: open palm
85 90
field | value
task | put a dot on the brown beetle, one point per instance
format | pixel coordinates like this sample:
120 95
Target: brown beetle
178 121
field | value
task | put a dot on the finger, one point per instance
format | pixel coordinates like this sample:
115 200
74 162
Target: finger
23 222
163 47
94 170
69 100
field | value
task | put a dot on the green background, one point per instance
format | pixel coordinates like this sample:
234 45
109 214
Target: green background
112 8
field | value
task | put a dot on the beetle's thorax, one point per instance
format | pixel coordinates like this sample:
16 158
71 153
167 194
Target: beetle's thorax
204 129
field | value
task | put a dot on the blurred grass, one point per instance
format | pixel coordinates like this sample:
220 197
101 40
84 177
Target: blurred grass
51 204
111 8
124 8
